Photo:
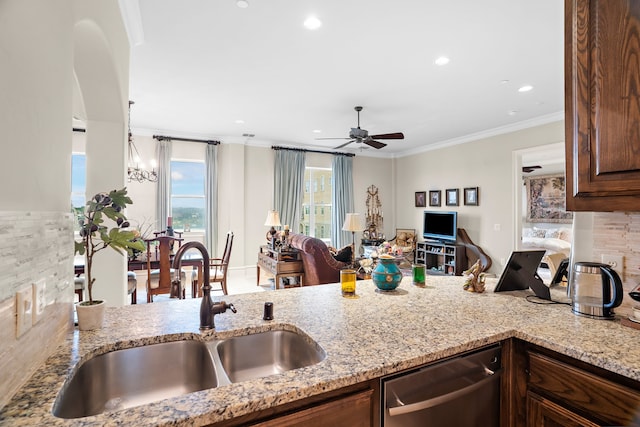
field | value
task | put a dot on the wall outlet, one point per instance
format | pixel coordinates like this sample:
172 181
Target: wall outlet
39 300
497 227
503 261
614 261
24 308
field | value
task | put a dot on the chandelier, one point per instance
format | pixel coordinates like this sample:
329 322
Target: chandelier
136 170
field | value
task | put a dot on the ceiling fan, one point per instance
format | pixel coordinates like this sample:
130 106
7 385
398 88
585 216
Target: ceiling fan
359 135
529 169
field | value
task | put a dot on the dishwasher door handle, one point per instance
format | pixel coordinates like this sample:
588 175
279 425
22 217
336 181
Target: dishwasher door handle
439 400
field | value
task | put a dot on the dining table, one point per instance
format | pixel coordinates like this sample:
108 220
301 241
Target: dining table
140 263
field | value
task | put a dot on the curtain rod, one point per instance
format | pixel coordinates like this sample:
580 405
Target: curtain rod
173 138
275 147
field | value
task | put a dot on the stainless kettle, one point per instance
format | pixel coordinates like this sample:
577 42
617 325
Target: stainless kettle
594 289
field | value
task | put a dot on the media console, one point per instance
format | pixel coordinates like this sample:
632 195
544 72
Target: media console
441 258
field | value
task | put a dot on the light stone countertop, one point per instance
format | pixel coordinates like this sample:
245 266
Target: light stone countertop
364 338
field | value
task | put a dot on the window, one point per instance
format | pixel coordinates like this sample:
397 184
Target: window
316 205
187 195
78 186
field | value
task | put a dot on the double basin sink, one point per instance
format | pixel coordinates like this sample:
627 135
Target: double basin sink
135 376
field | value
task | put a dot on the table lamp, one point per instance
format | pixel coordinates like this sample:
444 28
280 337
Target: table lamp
273 220
352 223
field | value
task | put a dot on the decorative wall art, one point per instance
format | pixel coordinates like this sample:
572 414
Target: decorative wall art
434 198
374 215
471 196
546 199
421 199
452 197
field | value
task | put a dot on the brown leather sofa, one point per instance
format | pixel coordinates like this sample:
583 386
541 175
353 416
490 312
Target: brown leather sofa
320 266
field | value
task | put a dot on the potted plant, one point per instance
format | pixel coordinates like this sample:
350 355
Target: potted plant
96 236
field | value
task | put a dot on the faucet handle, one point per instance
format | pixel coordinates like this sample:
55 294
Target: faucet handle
230 307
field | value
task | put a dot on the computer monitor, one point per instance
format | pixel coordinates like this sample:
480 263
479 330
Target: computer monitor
520 273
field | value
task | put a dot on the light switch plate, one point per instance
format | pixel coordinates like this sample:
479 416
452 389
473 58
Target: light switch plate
24 308
39 300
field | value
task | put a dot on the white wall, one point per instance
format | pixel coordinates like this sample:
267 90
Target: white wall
487 164
36 82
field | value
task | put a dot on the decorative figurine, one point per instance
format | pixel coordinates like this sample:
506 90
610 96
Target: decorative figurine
475 279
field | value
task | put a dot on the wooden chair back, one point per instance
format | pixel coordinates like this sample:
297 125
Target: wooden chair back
217 268
163 257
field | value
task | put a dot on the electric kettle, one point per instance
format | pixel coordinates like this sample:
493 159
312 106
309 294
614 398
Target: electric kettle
594 289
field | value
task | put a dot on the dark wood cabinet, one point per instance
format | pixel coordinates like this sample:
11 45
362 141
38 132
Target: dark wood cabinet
602 104
550 389
441 258
544 412
352 406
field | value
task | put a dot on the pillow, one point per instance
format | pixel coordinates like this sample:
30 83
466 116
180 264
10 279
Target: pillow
565 234
538 232
552 233
527 232
344 254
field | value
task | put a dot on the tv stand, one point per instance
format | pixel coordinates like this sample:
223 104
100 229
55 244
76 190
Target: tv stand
441 258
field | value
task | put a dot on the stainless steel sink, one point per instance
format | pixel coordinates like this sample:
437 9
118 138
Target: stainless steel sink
266 353
136 376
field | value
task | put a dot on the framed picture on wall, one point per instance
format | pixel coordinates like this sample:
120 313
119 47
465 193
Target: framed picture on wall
434 198
421 199
471 196
452 197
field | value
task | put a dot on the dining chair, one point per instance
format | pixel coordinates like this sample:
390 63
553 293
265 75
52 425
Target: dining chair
159 279
218 268
132 286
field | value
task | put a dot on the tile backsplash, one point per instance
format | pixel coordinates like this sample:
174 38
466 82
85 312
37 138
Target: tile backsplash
618 233
34 246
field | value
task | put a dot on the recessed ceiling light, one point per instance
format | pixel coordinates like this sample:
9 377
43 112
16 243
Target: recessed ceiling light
525 88
240 121
512 112
312 23
242 4
443 60
504 82
316 131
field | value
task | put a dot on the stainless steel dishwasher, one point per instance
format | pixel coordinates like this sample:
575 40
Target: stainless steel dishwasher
460 391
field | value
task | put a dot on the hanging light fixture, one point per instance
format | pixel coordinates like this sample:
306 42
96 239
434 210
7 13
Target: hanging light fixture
136 171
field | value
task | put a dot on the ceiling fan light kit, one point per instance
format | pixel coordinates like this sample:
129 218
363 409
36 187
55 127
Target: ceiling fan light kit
359 135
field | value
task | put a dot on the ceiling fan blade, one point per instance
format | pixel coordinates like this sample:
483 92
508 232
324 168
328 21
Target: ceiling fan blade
397 135
374 144
343 145
331 138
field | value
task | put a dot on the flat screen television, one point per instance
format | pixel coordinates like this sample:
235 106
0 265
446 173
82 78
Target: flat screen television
441 226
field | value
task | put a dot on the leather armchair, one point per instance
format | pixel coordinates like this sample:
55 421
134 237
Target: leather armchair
320 266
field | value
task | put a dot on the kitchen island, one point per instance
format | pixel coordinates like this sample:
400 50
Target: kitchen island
364 338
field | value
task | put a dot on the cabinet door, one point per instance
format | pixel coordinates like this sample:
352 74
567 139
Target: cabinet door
350 411
602 104
543 412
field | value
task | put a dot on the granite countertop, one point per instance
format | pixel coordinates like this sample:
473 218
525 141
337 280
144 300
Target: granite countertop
372 335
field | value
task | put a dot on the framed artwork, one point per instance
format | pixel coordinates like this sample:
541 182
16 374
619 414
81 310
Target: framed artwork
546 199
471 196
434 198
452 197
421 199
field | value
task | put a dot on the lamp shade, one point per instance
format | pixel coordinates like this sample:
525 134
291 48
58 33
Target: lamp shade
273 219
352 222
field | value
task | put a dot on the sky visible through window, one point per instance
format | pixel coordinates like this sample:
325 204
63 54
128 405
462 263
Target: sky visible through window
78 179
187 194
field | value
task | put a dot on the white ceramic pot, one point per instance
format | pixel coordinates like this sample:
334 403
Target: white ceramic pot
90 316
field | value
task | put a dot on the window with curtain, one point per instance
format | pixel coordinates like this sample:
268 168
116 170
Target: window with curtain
316 204
188 195
78 185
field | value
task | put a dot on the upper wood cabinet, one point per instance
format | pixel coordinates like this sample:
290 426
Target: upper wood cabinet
602 104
